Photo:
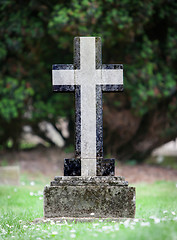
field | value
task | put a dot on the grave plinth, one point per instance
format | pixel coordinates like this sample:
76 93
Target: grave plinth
89 187
93 197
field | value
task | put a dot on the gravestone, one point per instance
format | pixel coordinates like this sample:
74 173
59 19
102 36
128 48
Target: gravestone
88 187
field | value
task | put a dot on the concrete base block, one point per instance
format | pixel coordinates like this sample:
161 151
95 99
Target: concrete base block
85 197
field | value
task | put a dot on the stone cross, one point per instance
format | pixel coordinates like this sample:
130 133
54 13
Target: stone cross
88 78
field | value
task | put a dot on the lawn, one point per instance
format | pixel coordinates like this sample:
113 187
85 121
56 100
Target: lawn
156 216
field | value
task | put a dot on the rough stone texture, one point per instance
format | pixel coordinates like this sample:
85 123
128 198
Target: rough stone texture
98 57
72 167
104 167
112 88
65 88
62 67
103 197
99 122
77 53
9 175
112 66
93 181
77 122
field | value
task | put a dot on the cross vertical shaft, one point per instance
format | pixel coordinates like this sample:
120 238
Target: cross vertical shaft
88 107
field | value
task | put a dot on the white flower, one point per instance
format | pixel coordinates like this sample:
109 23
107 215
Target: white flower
165 211
15 190
173 213
145 224
40 193
73 235
92 214
116 227
126 223
132 227
54 233
72 230
40 198
156 220
8 197
105 228
3 231
136 220
95 224
31 193
32 183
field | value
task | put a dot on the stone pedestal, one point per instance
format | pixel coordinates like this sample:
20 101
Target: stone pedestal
98 197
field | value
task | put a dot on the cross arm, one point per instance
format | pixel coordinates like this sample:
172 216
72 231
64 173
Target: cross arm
63 77
112 77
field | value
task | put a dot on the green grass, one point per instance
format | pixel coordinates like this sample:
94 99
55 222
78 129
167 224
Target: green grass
20 205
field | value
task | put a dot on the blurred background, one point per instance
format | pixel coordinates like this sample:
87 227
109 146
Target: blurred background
37 126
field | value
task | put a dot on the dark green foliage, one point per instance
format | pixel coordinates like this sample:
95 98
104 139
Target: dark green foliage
36 34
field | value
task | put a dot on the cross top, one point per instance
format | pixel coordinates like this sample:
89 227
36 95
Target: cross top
88 78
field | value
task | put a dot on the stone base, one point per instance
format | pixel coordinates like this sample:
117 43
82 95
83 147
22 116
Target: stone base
85 197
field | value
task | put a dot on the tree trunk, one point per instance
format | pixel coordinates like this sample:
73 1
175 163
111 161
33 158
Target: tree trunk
127 136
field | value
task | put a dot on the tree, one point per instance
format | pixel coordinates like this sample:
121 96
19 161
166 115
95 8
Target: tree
140 34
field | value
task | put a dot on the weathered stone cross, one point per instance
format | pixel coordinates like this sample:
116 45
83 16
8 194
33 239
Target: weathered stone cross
88 78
